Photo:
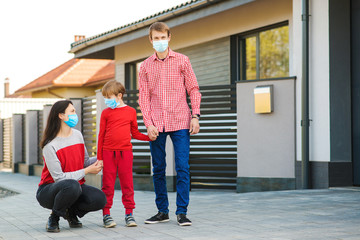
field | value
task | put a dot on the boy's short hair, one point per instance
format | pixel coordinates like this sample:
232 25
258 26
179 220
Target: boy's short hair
160 27
113 87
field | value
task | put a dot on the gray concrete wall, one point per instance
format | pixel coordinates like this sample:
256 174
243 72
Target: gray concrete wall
31 139
266 142
46 113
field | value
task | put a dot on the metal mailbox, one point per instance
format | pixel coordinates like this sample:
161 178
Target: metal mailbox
264 99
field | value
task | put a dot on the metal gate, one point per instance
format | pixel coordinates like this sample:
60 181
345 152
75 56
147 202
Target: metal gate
213 151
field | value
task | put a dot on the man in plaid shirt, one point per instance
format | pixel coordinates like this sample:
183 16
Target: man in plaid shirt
164 79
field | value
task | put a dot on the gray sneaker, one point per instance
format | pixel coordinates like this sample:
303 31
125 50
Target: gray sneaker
130 221
108 221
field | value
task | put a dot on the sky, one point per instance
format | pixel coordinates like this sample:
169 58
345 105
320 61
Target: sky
35 36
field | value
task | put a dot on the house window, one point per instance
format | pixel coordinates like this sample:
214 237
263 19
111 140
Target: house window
132 75
261 54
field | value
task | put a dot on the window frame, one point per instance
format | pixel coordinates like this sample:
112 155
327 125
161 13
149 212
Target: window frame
131 69
238 51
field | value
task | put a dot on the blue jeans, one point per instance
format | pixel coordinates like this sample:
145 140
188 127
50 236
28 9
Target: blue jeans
181 141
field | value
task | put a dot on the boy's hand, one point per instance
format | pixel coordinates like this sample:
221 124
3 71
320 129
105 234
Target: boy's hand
152 138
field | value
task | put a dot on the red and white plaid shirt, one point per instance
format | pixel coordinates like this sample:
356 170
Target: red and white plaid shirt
162 92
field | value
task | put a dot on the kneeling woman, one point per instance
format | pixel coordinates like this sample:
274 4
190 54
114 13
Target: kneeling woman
66 162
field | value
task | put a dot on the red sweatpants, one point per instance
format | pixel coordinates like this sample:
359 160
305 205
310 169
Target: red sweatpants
118 162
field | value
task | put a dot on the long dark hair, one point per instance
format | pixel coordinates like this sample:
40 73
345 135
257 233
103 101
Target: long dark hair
54 122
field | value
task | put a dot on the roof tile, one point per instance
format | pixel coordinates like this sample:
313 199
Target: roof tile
73 73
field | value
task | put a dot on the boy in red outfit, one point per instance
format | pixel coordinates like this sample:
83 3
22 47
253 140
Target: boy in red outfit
117 124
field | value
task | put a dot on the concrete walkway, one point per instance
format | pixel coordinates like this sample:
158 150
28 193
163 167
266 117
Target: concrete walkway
303 214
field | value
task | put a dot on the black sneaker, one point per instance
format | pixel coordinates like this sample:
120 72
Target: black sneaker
183 220
158 218
52 224
72 220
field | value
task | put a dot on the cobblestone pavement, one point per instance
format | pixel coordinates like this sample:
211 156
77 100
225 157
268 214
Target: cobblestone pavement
301 214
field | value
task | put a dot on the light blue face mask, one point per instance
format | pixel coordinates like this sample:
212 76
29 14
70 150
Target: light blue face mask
73 120
161 45
111 103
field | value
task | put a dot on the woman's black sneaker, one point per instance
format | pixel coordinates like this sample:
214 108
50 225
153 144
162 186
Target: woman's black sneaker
72 220
158 218
183 220
52 224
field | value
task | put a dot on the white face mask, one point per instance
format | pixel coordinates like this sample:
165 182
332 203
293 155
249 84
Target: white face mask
161 45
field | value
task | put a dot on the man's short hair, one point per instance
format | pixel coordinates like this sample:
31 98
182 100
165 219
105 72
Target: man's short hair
160 27
113 87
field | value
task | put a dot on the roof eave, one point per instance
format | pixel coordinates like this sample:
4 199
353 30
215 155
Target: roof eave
138 25
30 90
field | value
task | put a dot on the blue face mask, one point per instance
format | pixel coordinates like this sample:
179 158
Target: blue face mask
161 45
73 120
111 103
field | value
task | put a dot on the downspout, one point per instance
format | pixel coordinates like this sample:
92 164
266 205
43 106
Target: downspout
305 121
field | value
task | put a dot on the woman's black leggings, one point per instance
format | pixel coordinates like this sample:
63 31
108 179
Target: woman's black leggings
69 194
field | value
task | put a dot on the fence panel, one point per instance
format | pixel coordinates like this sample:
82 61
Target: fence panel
7 143
141 149
89 124
40 133
213 151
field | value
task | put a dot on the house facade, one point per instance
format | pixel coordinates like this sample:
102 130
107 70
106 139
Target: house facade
259 43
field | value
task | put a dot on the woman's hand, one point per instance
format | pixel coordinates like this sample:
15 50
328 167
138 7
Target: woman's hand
100 162
94 168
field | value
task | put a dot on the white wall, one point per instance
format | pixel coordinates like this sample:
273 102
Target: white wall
120 72
318 77
10 106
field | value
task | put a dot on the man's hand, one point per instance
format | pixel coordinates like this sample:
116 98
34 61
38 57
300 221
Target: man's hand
152 132
194 126
152 138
